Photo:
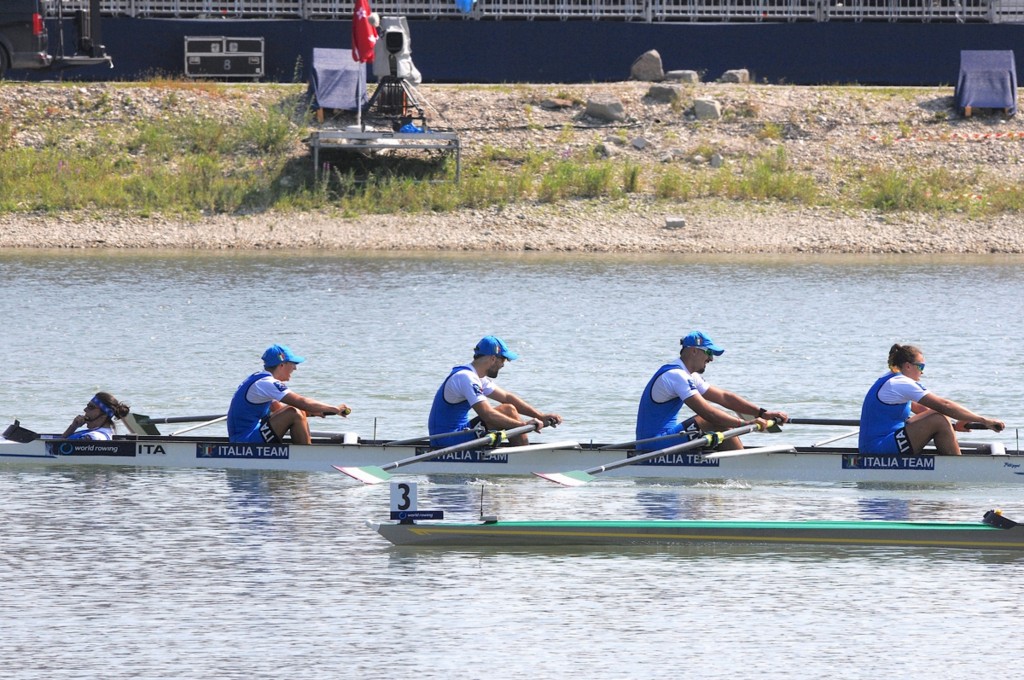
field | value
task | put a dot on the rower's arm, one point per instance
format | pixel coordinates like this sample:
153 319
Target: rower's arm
493 418
314 407
951 409
701 405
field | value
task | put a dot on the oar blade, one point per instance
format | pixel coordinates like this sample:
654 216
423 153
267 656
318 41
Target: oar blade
369 474
572 478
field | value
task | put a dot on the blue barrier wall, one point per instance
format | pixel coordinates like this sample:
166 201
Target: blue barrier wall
582 51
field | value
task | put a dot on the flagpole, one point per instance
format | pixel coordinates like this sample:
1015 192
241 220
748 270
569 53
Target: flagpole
364 36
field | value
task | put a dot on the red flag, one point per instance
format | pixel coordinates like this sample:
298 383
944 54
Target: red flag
364 35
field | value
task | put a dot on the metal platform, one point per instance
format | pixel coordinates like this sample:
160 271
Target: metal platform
356 140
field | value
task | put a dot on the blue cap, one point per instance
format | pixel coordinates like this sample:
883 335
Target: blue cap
278 354
698 339
493 346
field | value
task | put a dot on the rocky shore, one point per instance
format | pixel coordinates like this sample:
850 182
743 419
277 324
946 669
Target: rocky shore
562 228
821 129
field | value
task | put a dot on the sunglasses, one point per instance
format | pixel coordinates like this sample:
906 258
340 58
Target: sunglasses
920 366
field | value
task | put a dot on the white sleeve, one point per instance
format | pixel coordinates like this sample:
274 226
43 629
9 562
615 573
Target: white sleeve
266 389
900 390
466 386
676 383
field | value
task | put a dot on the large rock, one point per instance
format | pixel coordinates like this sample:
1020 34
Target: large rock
666 94
683 76
707 109
739 75
648 68
605 108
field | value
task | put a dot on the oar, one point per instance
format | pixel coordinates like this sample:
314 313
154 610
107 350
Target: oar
427 438
581 477
372 474
626 445
852 422
217 419
138 423
142 419
835 439
825 421
807 421
176 419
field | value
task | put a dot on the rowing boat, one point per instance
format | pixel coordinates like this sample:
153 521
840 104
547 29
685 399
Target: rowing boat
978 465
995 533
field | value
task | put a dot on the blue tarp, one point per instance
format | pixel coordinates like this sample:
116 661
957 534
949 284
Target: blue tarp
988 80
336 79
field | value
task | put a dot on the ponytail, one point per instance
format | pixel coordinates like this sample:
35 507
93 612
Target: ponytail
902 354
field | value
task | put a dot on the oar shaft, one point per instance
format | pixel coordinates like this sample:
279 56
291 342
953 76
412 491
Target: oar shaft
853 422
626 445
200 425
488 440
825 421
180 419
427 438
186 419
699 443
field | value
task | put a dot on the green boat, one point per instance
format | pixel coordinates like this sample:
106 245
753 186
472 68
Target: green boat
994 532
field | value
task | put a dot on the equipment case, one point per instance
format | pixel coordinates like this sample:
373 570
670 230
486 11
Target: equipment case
223 57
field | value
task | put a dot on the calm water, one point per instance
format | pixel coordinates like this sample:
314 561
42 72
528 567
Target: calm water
208 574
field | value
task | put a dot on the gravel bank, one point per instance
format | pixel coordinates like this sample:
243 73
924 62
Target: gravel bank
576 228
820 128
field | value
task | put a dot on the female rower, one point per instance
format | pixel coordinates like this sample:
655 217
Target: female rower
900 416
98 418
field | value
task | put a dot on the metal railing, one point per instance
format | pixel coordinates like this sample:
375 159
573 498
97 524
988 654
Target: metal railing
992 11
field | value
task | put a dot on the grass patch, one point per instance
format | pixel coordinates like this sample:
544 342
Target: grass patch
256 160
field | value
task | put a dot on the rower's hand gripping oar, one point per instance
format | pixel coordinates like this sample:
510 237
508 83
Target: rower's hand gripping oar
581 477
372 474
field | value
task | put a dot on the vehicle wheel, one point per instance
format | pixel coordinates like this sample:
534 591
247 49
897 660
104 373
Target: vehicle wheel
4 64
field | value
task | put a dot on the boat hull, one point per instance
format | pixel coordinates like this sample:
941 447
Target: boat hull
640 533
822 465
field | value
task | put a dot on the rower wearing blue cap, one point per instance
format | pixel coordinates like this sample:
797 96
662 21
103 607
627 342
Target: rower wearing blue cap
466 391
680 383
264 409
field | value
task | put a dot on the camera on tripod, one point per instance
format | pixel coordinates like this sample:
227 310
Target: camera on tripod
395 98
392 55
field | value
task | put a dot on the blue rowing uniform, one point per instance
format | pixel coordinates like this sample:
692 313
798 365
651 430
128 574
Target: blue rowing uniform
247 422
448 417
100 433
655 419
883 426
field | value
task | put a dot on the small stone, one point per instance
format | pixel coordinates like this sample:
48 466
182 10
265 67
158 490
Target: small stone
683 76
707 109
739 75
666 94
647 67
554 104
605 108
